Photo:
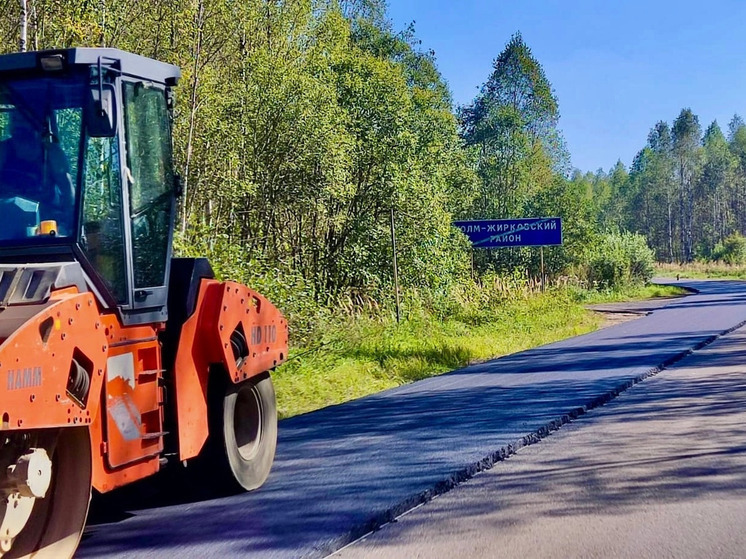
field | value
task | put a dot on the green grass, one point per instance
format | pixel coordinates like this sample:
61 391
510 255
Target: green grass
702 270
631 293
358 356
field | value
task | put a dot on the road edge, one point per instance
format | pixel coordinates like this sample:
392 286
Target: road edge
503 453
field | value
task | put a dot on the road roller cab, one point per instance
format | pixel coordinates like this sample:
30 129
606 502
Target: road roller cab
86 172
114 356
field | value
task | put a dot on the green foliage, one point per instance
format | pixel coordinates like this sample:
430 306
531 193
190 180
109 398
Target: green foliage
684 190
512 123
299 126
619 259
732 250
510 130
569 200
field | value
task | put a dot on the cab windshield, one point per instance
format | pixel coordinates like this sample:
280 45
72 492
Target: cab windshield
40 150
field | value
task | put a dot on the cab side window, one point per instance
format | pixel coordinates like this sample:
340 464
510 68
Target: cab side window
150 178
102 236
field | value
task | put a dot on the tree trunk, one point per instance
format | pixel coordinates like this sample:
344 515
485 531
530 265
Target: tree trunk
670 226
24 26
200 22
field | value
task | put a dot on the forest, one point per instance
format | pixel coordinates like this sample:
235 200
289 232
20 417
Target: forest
685 191
302 126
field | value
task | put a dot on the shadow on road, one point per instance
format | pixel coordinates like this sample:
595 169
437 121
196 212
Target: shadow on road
677 438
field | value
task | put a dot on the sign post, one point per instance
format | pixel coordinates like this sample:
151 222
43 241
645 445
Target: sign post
396 269
541 253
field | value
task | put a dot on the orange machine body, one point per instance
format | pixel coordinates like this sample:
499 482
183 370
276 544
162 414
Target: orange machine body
222 309
129 391
108 342
38 346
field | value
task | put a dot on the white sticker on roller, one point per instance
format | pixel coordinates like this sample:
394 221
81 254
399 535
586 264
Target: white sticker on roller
126 417
122 366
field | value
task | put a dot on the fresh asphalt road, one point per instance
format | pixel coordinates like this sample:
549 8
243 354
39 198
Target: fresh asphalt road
344 470
658 472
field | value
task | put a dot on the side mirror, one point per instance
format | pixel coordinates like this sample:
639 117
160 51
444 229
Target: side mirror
101 116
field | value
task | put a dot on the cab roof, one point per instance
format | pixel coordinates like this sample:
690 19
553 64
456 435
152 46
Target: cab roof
132 65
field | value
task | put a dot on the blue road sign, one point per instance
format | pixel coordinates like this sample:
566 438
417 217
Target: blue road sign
495 233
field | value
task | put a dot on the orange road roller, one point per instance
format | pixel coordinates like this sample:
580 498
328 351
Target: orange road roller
115 357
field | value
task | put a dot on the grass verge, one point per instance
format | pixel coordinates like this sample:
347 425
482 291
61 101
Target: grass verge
357 356
631 293
702 270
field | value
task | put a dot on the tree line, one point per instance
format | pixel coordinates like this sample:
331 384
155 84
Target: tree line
685 190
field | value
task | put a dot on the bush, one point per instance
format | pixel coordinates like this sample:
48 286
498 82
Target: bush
732 250
619 259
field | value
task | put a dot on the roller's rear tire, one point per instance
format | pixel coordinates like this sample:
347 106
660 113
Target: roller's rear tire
243 432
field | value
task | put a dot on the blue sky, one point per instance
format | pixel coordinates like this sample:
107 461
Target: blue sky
617 67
